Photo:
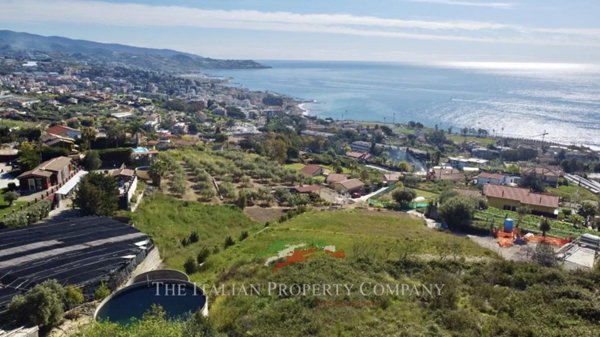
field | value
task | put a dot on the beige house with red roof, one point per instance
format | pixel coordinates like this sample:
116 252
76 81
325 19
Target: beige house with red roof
336 178
510 198
349 186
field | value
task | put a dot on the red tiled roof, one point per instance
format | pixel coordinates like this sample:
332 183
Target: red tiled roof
521 195
542 171
311 169
308 189
336 178
488 175
60 130
351 184
46 168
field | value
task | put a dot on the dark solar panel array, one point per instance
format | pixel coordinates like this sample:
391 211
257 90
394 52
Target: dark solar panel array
81 251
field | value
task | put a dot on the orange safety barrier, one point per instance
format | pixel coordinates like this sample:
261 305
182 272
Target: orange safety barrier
548 239
505 242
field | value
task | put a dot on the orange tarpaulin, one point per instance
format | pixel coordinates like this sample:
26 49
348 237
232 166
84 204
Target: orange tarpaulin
548 239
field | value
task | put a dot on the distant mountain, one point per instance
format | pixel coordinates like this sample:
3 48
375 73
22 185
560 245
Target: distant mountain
37 46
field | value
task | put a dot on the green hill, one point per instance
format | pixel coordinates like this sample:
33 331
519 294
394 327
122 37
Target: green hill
481 295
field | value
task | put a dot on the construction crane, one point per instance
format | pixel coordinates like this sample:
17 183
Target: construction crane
543 135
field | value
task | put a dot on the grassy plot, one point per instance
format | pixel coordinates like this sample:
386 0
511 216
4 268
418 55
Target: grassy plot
168 221
479 298
5 208
473 302
459 139
573 193
530 223
379 234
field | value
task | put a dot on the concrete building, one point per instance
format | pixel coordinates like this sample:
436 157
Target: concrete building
361 146
485 153
582 253
462 163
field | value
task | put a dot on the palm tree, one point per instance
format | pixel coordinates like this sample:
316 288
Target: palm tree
88 135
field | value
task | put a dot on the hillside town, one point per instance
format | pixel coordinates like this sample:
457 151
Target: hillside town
94 140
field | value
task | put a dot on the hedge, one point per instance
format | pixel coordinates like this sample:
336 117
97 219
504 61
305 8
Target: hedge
27 216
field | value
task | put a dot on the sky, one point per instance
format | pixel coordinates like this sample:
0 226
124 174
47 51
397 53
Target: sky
419 31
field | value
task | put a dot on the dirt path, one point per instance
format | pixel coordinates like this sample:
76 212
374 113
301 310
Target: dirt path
262 214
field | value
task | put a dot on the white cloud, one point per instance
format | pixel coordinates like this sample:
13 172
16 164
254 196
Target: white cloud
142 15
500 5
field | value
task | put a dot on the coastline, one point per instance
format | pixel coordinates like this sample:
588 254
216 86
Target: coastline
302 106
522 107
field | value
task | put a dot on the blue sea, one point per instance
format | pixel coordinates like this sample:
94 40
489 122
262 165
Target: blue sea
523 100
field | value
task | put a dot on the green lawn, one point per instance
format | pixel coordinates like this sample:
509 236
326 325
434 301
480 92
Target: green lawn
294 166
473 301
169 220
4 208
15 123
573 193
425 194
420 193
459 139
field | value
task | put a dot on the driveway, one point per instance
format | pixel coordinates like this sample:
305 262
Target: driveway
6 177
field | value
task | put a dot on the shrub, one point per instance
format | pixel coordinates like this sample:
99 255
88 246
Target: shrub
190 266
194 237
97 195
457 212
10 197
544 255
228 242
29 215
42 305
92 161
202 255
102 292
73 296
116 155
243 235
404 197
